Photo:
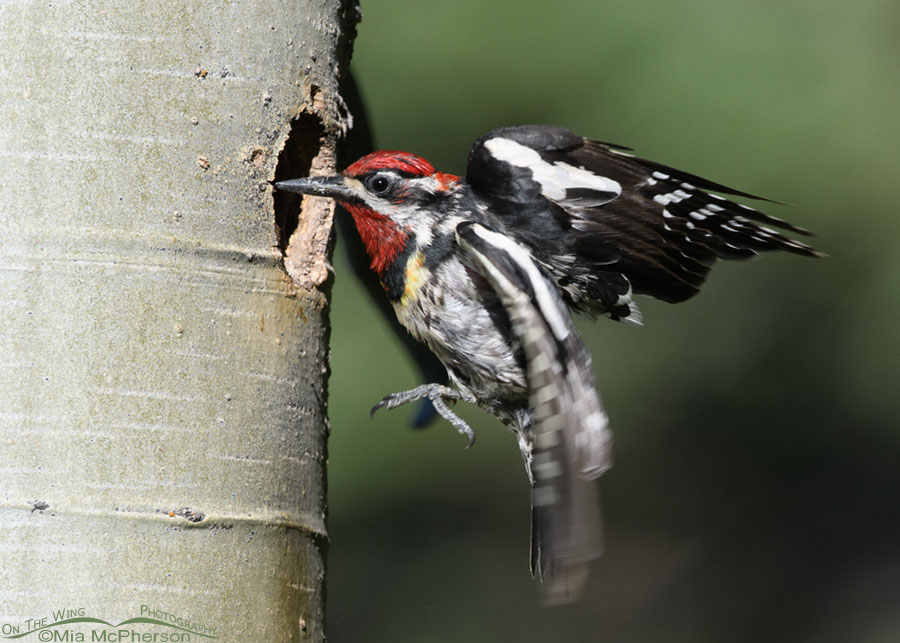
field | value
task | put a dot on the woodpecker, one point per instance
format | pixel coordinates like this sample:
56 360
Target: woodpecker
485 270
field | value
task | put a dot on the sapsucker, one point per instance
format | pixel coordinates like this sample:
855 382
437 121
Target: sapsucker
484 270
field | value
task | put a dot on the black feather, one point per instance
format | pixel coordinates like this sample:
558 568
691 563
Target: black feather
662 233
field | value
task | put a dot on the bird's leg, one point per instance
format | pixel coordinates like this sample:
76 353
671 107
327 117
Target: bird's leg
439 394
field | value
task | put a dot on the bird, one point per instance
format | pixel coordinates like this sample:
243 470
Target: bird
487 269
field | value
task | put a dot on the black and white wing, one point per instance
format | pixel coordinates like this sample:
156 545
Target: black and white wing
568 443
604 222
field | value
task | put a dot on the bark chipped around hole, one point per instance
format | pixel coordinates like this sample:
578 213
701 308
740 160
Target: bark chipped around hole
303 223
306 256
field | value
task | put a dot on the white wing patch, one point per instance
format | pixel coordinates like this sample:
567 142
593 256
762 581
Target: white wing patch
554 178
523 259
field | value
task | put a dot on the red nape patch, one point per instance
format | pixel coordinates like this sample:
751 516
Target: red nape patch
446 181
390 160
383 238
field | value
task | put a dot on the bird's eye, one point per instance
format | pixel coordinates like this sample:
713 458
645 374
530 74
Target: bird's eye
378 184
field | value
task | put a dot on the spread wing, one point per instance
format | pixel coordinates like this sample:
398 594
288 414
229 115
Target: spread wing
602 221
567 443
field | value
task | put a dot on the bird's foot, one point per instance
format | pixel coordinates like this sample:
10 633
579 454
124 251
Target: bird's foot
439 394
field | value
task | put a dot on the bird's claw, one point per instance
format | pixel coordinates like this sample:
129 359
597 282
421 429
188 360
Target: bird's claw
439 396
386 402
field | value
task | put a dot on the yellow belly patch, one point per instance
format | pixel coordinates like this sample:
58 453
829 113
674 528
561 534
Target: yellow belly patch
416 273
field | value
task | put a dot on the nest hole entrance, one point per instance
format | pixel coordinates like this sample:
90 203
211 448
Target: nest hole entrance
304 141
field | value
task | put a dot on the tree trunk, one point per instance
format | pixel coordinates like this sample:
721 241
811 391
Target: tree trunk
162 388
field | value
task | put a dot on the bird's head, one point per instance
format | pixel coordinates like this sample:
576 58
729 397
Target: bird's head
390 195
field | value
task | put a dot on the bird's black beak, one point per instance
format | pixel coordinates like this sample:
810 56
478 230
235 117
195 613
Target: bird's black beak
332 186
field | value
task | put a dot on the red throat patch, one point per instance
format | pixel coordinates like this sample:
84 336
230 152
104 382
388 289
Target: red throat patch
384 240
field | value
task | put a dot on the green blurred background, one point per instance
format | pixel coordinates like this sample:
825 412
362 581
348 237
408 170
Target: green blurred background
756 492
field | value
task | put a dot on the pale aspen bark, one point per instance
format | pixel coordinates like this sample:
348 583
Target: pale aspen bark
162 379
